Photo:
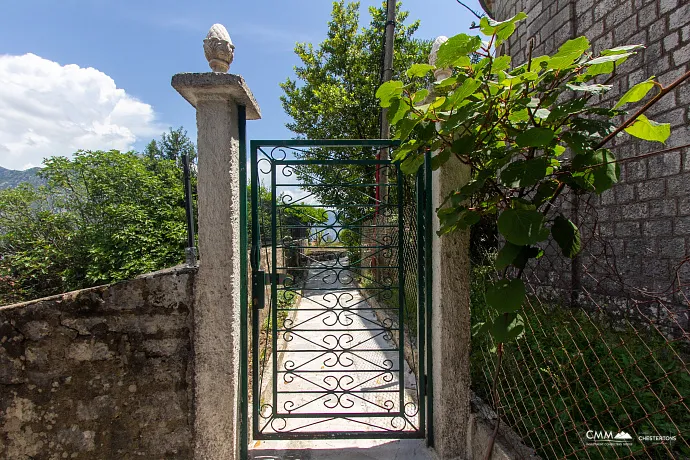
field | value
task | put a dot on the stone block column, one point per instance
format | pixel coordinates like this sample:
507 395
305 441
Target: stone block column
217 98
450 318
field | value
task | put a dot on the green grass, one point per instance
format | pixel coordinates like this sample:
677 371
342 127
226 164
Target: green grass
574 371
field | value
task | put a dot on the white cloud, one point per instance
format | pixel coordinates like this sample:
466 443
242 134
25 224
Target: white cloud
49 109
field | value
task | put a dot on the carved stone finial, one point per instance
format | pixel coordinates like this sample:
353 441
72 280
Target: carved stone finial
440 74
218 48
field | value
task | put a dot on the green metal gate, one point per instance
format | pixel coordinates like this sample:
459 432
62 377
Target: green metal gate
340 287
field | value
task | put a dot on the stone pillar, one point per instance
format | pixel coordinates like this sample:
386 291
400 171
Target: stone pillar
216 335
450 318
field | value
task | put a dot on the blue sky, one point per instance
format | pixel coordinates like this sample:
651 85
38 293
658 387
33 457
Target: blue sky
100 72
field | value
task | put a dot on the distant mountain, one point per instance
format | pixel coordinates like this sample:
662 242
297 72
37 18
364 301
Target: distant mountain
10 178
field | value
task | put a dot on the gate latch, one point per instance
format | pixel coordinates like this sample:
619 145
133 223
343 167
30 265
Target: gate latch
259 280
278 278
258 289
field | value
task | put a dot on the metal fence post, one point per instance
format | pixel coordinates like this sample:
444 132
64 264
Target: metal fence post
190 250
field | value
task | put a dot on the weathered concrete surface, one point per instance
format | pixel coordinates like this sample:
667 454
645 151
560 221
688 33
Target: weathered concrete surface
102 373
450 322
195 87
217 304
363 449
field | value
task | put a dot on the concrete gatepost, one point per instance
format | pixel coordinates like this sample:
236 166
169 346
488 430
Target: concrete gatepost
220 100
450 318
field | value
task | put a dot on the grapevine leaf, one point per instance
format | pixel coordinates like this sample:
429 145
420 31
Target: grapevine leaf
644 128
481 328
465 90
502 29
522 226
566 235
594 88
501 63
388 91
507 327
419 70
506 295
636 93
523 173
568 53
535 137
457 47
507 255
545 192
621 49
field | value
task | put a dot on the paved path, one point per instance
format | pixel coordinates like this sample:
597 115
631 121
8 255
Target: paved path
335 356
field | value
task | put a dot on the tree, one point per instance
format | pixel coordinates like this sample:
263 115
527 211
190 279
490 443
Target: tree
171 146
304 216
333 96
102 217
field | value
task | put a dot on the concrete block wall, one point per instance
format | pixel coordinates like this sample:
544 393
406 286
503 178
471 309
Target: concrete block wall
646 217
101 373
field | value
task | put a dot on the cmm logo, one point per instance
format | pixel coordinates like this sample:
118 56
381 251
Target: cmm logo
608 438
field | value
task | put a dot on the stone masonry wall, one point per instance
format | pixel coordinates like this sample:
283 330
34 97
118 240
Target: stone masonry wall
646 217
102 373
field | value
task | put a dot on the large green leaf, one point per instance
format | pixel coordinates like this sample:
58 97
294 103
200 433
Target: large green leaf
566 235
456 48
564 109
523 173
506 295
507 327
568 53
468 87
545 192
598 169
397 111
606 63
649 130
502 29
507 255
500 63
388 91
419 70
522 226
636 93
412 163
535 137
594 88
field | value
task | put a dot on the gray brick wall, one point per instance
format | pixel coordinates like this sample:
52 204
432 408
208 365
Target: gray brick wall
645 218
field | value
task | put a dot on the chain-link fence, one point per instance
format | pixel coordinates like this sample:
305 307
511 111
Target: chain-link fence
386 232
601 371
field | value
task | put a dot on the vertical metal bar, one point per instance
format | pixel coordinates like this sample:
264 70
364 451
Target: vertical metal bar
274 287
401 286
421 298
255 260
428 232
244 281
190 251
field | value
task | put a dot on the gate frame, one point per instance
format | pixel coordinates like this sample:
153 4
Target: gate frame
423 185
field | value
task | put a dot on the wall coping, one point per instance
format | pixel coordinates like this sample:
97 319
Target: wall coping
176 270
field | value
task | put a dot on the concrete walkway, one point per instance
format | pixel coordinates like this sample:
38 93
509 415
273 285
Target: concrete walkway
338 370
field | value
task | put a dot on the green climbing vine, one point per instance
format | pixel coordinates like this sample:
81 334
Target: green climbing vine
528 133
512 126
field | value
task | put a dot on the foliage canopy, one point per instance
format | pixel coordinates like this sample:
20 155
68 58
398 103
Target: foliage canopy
527 132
